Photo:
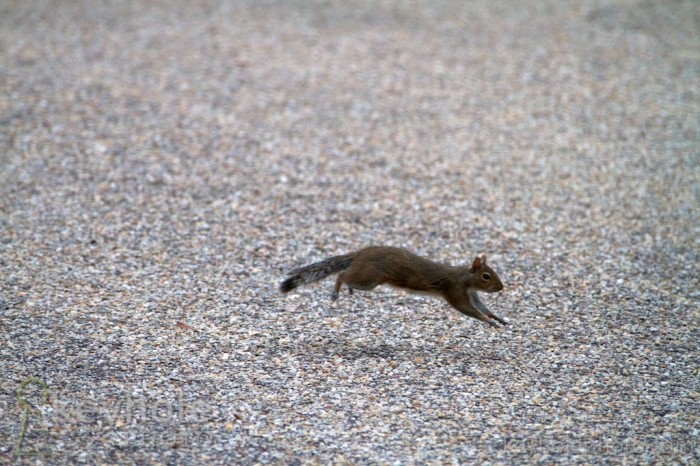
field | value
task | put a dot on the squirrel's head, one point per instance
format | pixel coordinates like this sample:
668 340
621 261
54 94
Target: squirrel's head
483 277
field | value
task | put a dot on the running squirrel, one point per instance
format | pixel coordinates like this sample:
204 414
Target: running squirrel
376 265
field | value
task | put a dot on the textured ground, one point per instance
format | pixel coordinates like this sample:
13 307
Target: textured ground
162 164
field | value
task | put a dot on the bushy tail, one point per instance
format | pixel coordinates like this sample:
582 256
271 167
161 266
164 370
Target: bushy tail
315 272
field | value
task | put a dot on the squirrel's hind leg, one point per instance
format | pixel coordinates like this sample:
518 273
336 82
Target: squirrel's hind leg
352 284
336 290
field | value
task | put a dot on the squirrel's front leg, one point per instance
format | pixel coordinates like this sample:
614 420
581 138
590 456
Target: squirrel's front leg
479 304
467 307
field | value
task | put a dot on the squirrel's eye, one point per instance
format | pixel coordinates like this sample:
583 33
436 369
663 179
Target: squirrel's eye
486 276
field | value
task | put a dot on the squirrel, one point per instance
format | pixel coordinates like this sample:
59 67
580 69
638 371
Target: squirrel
376 265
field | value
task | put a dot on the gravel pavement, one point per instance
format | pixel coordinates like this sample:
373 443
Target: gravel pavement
164 163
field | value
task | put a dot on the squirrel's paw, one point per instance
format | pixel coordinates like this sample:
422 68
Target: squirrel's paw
501 321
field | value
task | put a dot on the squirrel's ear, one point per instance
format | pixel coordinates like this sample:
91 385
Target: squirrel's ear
475 265
483 259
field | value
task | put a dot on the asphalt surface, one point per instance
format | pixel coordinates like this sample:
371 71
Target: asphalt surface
163 164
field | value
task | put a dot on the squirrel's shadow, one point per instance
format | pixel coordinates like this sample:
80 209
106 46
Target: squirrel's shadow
422 354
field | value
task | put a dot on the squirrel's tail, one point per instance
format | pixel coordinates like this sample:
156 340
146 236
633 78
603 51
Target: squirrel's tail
315 272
